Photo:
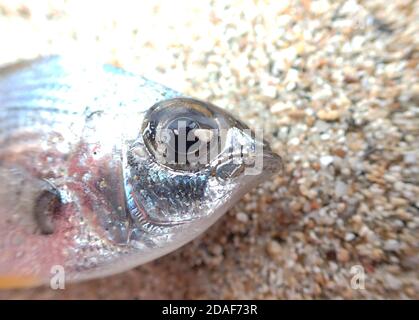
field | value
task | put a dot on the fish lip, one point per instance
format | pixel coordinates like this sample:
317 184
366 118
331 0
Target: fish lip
264 164
272 162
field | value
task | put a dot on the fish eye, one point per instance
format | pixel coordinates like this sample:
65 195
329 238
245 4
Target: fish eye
183 133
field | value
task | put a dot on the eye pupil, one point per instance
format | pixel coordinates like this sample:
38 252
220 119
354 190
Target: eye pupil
182 131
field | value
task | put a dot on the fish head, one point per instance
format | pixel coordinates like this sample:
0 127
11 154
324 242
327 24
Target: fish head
110 183
189 164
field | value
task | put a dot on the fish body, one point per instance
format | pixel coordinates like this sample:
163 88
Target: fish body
83 181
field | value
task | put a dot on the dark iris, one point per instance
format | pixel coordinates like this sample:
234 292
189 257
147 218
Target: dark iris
170 132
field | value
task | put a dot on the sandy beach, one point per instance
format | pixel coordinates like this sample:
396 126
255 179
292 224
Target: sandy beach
333 84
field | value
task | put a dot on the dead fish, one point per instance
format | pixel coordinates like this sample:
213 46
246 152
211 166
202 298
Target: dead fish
102 170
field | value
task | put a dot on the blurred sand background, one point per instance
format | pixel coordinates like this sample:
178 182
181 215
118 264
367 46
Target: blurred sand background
334 85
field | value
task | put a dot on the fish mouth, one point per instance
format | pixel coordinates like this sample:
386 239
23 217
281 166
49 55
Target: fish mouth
272 162
264 162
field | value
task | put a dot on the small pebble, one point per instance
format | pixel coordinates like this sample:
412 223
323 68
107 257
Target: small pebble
392 245
326 160
242 217
331 115
343 255
340 189
279 107
274 249
349 236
